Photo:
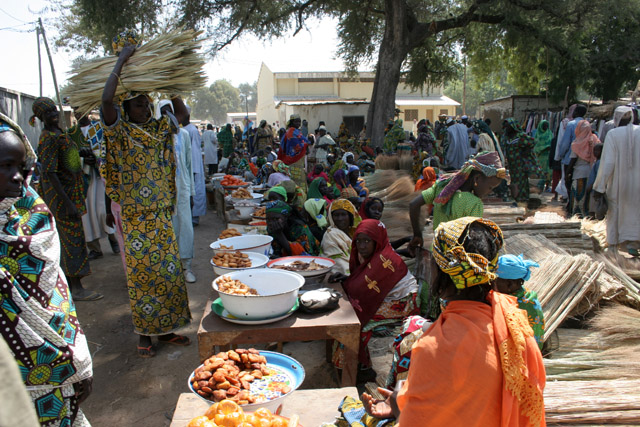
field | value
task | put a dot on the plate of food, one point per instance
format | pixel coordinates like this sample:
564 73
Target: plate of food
229 262
229 232
229 413
305 265
260 213
252 379
218 308
231 182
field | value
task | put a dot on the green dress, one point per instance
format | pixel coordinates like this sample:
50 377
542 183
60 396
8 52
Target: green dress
461 204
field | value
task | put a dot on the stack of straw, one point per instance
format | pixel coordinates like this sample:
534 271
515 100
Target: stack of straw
594 375
170 63
570 285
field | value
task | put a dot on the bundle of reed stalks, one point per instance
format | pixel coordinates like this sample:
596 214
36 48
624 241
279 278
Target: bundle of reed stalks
597 230
384 162
170 63
382 179
592 402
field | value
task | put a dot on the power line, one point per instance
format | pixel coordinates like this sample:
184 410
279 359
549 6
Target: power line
14 28
11 16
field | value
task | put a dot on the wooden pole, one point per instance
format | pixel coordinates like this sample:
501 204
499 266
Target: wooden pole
53 73
39 58
464 88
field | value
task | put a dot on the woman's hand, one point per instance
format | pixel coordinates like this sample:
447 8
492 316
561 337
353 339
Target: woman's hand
380 409
415 243
127 51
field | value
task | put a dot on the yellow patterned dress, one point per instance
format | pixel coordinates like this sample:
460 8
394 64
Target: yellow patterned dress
140 176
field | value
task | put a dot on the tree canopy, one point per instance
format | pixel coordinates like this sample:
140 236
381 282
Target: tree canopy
542 44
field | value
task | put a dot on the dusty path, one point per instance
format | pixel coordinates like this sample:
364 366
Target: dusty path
131 391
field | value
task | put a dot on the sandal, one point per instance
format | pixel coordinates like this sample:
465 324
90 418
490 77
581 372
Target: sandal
180 340
146 352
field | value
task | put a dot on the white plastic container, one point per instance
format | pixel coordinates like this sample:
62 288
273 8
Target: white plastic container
277 293
250 243
257 261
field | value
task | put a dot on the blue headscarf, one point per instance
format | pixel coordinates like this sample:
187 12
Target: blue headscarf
515 267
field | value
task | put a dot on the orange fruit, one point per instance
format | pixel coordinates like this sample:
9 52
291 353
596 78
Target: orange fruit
211 412
227 407
278 422
233 419
264 413
199 422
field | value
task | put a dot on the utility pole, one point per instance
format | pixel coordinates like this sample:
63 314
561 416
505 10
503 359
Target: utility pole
39 59
464 88
53 73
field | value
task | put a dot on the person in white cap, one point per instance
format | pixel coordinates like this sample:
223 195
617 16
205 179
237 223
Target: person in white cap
185 190
322 146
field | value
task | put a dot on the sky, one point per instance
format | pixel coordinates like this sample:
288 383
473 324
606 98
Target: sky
310 50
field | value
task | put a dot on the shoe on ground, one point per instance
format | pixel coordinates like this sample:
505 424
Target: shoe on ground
115 248
94 255
189 276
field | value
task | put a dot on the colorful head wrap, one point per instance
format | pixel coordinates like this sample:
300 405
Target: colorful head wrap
40 108
278 206
281 167
119 41
346 205
515 267
314 188
280 190
314 207
465 269
340 177
353 168
486 162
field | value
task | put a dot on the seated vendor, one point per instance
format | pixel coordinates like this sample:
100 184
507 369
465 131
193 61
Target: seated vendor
354 180
320 190
315 215
479 363
380 288
291 236
341 183
277 193
336 243
280 173
512 272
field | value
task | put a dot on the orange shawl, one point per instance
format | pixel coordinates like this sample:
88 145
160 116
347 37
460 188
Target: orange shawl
478 365
427 180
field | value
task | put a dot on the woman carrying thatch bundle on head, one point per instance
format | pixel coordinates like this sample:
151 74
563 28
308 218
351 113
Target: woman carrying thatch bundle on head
140 176
479 363
293 149
458 195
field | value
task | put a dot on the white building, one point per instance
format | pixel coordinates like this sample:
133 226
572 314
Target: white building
334 97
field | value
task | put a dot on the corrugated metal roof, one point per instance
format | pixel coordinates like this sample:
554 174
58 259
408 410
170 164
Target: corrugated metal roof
426 101
323 101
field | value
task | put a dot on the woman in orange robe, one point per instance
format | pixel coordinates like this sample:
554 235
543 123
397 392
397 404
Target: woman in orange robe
478 364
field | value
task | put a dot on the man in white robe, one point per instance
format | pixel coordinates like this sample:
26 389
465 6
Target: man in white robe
200 199
185 190
94 221
210 142
619 179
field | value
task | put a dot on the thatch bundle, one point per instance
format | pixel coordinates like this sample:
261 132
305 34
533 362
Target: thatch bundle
384 162
170 63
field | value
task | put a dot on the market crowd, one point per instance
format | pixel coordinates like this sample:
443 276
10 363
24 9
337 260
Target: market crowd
135 175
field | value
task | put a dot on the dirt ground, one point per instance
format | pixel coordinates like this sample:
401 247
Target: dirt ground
131 391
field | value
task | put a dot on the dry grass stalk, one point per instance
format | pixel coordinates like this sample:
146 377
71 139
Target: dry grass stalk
592 402
170 63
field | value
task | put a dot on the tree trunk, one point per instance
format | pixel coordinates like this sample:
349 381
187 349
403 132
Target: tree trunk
393 51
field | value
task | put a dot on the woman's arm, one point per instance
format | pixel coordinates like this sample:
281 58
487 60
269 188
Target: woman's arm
179 109
414 214
109 114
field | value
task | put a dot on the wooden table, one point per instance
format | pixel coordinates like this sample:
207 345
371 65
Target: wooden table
341 325
314 407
